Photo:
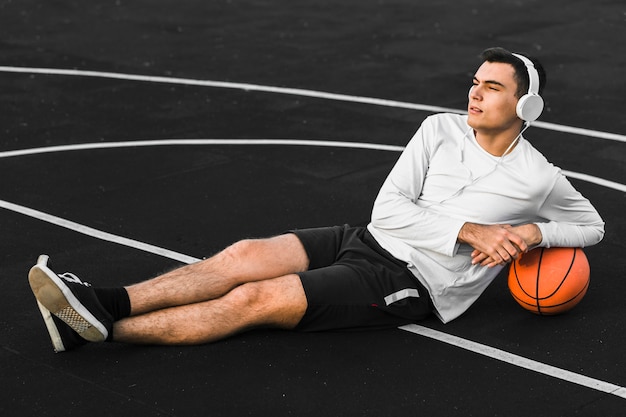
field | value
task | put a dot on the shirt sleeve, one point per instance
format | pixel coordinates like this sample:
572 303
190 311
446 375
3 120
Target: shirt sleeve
395 211
571 219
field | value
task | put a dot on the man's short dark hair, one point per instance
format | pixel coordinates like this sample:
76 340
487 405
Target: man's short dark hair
501 55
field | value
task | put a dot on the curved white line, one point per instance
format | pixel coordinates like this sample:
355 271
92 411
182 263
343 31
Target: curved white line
231 85
580 131
199 142
292 91
456 341
290 142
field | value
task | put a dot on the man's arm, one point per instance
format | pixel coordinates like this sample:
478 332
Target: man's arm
571 220
396 212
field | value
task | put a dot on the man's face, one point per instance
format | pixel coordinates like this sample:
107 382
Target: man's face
492 99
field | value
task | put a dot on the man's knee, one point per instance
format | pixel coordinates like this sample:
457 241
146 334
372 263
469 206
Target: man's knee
235 255
239 250
283 251
247 296
281 301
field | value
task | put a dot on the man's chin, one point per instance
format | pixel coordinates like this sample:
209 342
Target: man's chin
473 123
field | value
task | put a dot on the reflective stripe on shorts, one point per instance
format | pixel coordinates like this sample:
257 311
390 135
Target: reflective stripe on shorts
401 295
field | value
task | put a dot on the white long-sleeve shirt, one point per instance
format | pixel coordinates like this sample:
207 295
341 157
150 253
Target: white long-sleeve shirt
444 179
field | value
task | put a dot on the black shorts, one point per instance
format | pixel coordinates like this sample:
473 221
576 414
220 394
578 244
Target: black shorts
352 282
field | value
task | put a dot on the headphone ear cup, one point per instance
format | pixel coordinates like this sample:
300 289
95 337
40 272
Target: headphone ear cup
529 107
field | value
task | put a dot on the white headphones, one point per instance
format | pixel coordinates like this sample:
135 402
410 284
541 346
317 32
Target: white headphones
530 105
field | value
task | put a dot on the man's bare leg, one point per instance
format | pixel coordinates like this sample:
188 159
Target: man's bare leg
278 302
243 262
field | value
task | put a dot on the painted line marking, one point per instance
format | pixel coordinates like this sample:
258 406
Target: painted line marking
289 142
517 360
292 91
481 349
595 180
199 142
436 335
98 234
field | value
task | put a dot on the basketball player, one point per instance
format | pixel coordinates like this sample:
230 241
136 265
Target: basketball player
467 196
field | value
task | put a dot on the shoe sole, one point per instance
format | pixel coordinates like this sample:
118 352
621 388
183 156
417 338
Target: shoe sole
58 299
55 337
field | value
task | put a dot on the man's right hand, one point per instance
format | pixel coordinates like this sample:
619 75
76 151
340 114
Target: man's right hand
493 244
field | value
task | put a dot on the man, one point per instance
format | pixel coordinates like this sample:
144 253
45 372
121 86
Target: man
467 196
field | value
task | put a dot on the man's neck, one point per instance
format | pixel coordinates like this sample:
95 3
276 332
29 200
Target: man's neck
500 142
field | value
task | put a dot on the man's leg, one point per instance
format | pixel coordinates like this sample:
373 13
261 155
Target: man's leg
278 302
245 261
233 278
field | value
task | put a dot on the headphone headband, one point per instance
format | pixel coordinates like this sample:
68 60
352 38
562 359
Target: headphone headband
533 75
530 105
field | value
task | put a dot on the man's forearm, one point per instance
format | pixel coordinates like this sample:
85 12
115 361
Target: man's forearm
530 233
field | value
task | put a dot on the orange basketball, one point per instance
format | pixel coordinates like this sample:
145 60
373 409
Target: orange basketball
549 281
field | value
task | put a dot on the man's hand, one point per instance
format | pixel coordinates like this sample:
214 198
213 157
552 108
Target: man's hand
498 244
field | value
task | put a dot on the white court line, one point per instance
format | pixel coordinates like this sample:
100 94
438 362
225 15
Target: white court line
291 142
517 360
200 142
292 91
595 180
459 342
89 231
488 351
453 340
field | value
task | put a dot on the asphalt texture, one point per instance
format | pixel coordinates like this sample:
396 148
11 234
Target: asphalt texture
196 199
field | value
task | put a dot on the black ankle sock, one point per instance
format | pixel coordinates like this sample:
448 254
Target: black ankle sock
115 301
